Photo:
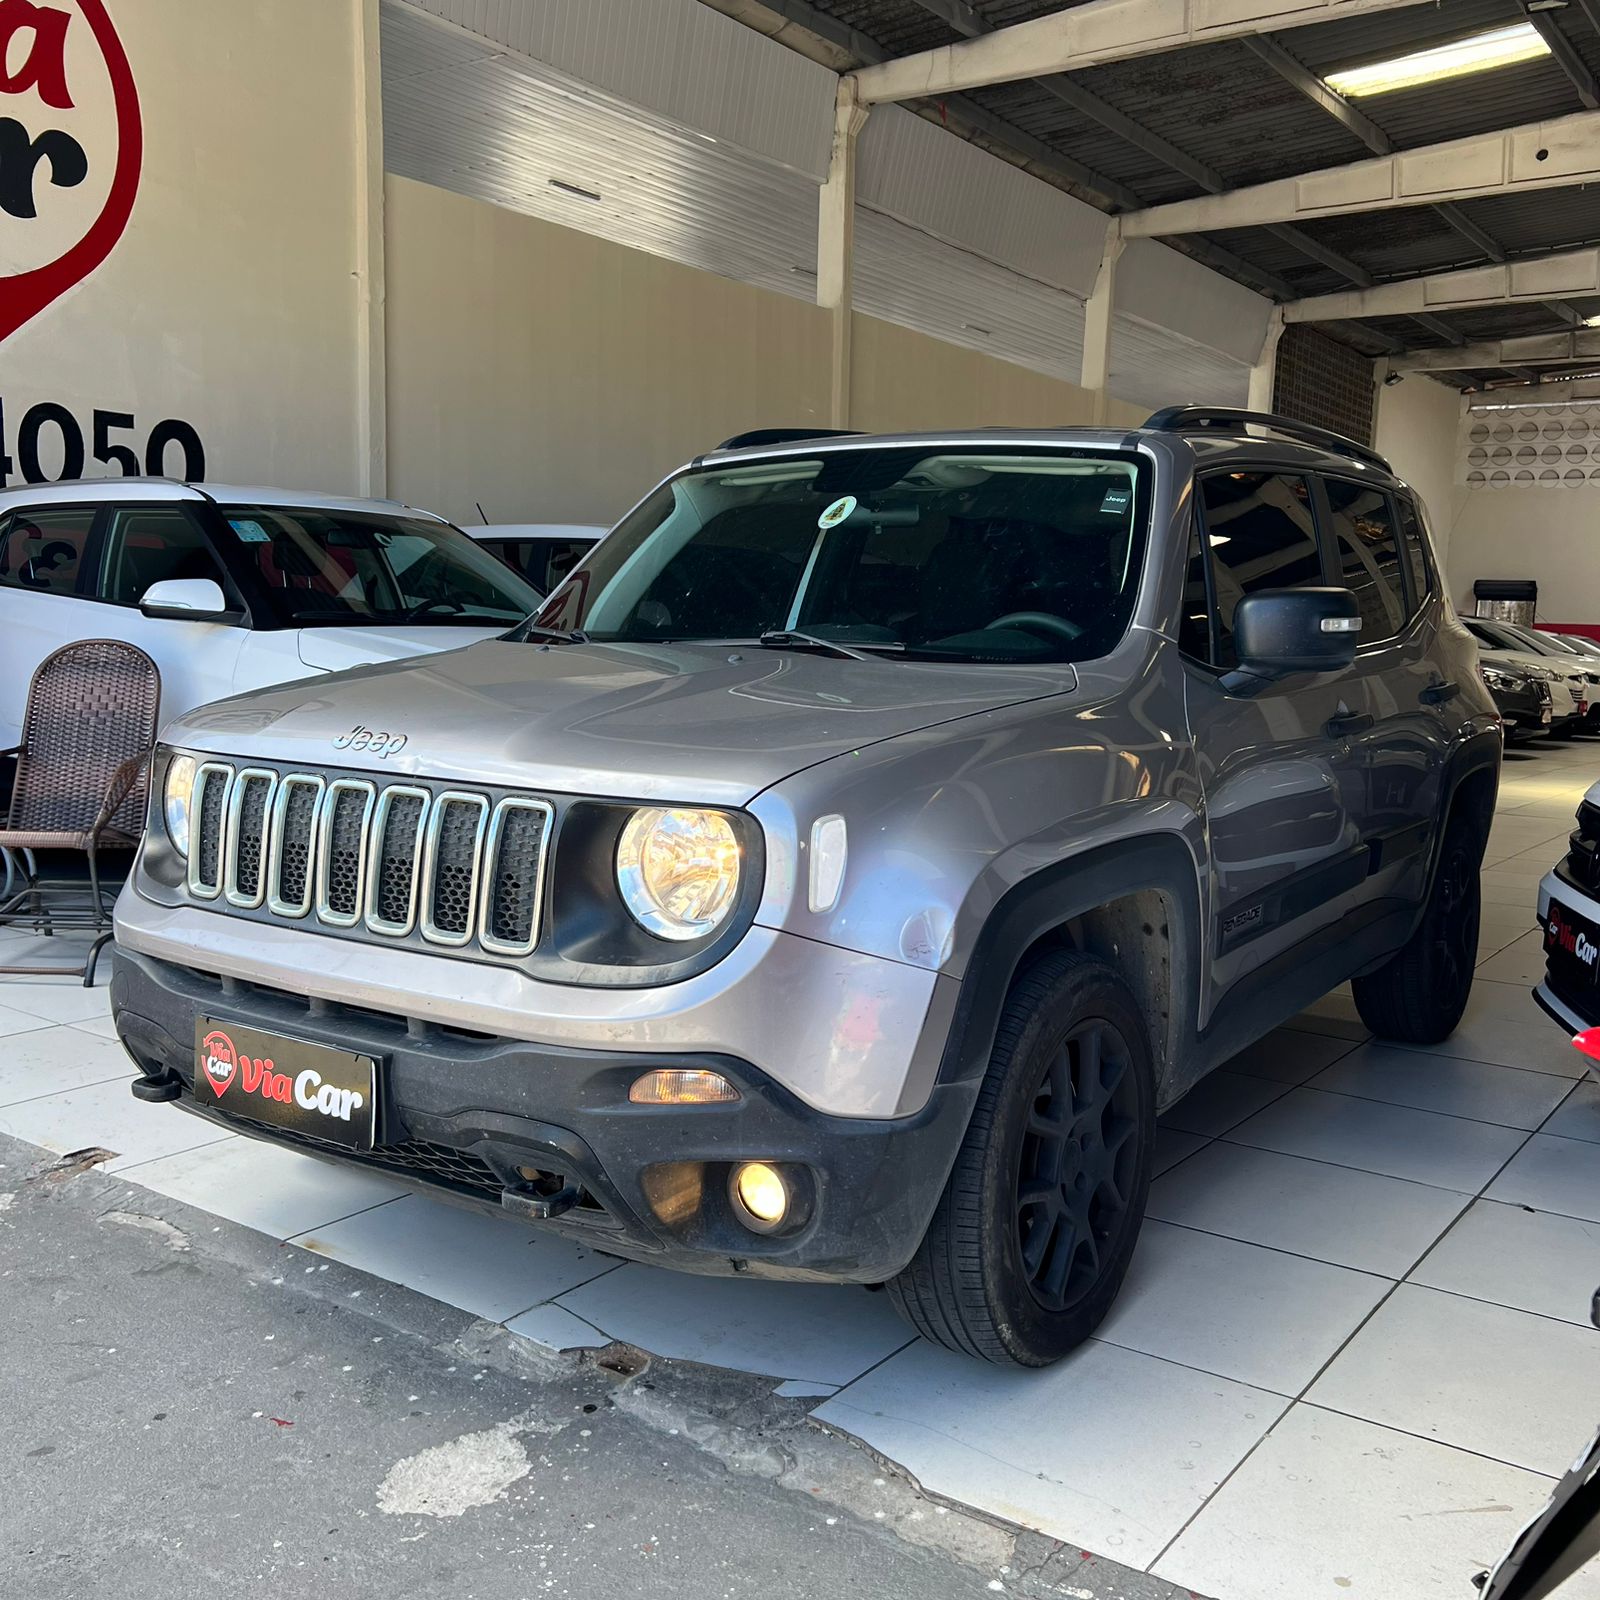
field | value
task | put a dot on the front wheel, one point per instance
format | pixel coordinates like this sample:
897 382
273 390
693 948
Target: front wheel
1418 995
1033 1234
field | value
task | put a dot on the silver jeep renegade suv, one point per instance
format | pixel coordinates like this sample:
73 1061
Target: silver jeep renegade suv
863 845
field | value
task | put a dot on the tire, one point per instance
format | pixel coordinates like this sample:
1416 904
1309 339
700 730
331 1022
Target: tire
1418 995
1022 1280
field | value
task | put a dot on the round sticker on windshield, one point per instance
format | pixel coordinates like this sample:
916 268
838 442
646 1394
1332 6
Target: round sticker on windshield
838 511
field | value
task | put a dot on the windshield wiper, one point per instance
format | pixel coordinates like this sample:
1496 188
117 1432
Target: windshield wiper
530 629
793 639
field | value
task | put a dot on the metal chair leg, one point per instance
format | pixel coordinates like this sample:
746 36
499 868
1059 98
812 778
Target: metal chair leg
94 957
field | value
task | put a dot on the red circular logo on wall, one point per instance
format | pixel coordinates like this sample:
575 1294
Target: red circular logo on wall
219 1060
71 150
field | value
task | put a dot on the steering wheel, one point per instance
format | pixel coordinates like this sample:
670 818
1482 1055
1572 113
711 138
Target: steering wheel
1039 622
423 607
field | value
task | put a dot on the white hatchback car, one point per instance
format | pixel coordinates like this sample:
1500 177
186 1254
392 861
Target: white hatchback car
234 589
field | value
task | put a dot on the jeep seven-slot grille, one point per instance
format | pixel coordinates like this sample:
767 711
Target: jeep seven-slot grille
399 861
1583 854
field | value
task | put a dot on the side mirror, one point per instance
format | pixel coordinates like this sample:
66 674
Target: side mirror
1279 632
187 600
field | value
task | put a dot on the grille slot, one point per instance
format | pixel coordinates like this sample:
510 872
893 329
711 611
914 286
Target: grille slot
452 860
342 850
391 862
513 872
1583 855
208 813
249 823
392 876
294 842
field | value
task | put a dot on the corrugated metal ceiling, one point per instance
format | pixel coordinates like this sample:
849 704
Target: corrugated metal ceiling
1219 104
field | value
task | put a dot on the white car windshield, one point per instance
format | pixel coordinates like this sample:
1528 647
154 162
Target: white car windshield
313 567
968 555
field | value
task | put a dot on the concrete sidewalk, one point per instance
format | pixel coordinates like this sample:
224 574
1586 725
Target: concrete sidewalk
196 1409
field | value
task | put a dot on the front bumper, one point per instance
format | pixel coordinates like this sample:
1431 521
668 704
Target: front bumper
474 1114
1575 1006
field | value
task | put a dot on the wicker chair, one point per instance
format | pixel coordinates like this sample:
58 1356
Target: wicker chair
80 784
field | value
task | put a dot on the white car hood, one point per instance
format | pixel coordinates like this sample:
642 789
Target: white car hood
334 649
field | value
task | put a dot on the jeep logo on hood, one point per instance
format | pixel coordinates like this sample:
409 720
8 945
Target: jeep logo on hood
372 742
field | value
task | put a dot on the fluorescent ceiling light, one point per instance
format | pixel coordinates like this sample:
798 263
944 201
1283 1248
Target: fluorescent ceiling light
1591 322
1500 47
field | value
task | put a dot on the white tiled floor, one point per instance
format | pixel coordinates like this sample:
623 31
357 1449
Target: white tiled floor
1353 1350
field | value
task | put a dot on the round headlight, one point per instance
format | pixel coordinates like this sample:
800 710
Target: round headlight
175 802
678 871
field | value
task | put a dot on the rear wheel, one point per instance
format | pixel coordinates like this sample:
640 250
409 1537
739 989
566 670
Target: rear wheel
1032 1236
1419 994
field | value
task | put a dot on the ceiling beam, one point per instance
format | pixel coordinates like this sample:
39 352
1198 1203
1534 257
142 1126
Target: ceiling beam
961 17
1091 34
1297 73
1567 58
1026 150
1530 350
1530 280
1540 155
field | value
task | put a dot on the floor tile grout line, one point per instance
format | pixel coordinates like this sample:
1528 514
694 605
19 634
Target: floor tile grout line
555 1299
144 1161
54 1094
1345 1166
1424 1438
1454 1116
221 1216
867 1373
1320 1261
1482 1300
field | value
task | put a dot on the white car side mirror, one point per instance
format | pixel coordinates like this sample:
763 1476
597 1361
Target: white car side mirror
187 600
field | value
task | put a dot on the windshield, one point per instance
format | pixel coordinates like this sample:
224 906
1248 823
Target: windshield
969 555
321 568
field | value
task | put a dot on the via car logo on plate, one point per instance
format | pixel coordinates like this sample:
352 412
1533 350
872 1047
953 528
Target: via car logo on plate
221 1062
377 743
71 150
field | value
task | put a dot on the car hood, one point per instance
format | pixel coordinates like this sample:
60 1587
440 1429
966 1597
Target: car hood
671 722
335 649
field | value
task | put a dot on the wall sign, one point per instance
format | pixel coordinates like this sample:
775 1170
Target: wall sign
71 150
50 443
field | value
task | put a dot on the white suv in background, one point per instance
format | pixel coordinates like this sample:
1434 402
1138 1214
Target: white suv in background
234 589
1568 705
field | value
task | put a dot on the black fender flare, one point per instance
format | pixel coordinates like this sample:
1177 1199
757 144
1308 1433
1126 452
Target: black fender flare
1052 897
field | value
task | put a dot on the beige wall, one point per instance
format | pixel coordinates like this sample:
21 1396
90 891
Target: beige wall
1418 427
555 377
231 301
1549 535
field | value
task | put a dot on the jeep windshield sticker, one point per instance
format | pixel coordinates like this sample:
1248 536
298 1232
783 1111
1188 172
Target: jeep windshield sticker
838 511
1116 500
249 531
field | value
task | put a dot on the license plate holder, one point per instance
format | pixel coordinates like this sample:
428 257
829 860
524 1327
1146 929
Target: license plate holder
294 1084
1572 945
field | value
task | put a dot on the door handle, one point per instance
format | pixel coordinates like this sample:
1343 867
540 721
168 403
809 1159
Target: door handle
1344 723
1436 694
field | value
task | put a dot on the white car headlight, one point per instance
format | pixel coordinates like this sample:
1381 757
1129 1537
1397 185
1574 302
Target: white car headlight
175 798
678 870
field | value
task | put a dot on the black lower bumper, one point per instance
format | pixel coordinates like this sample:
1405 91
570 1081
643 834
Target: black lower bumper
534 1129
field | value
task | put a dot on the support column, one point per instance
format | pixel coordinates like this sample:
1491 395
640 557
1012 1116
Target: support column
1097 310
372 384
836 240
1263 375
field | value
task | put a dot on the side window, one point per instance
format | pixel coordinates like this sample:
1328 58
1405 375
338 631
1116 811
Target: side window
148 545
1416 553
1369 556
44 549
1194 626
1262 534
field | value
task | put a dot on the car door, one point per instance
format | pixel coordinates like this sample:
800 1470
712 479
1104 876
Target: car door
43 570
1398 687
145 544
1285 787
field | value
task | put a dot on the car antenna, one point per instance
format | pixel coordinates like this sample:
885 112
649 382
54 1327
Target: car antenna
479 507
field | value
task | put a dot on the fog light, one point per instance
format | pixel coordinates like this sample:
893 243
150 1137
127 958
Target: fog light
761 1193
682 1087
